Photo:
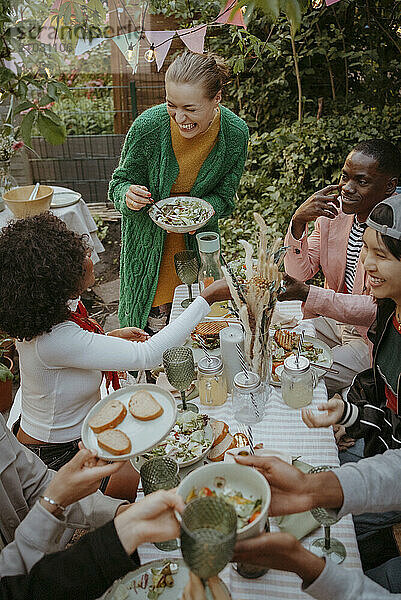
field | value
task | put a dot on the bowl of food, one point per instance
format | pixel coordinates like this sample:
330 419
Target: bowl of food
181 214
18 201
241 486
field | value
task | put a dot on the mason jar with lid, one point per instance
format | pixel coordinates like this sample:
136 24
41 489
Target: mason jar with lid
249 398
211 381
297 381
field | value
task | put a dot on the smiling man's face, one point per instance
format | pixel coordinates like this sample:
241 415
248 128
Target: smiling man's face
363 185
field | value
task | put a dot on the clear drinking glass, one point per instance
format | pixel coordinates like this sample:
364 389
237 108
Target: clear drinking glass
250 397
160 473
208 536
326 546
187 267
179 367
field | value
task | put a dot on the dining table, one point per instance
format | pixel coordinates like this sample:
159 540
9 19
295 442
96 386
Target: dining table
76 216
282 429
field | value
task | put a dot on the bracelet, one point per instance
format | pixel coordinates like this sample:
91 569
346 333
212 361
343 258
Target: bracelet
53 503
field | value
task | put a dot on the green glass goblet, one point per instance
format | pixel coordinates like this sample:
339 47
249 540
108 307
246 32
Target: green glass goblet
160 473
187 267
208 536
179 367
326 546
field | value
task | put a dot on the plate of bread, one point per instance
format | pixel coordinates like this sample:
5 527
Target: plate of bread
129 421
286 342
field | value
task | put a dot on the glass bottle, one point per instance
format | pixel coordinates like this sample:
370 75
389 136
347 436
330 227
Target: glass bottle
7 181
297 382
209 251
211 381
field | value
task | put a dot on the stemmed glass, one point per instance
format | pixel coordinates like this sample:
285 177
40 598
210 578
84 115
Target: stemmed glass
326 546
208 536
187 267
160 473
179 367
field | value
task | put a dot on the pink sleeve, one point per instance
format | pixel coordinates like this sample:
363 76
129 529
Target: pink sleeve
302 260
352 309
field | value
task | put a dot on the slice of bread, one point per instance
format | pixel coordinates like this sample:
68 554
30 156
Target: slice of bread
114 441
216 454
220 430
109 416
144 407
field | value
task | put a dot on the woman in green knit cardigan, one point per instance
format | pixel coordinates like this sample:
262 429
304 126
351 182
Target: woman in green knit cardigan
148 168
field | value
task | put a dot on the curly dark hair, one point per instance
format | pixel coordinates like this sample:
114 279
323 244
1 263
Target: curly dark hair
41 268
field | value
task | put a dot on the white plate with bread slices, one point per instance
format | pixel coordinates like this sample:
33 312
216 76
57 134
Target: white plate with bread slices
129 421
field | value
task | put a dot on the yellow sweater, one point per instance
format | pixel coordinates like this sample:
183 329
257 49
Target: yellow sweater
190 155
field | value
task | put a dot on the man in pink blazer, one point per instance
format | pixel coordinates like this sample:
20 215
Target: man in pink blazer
343 310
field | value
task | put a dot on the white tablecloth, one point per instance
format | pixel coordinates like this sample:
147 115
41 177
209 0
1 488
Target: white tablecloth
282 429
77 217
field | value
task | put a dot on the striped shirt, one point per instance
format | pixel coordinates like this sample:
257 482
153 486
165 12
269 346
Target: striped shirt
353 251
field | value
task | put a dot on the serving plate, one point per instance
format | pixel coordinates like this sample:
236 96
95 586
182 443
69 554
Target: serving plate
63 197
153 212
144 435
138 461
119 589
325 359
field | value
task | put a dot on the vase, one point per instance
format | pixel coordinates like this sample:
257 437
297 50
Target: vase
7 181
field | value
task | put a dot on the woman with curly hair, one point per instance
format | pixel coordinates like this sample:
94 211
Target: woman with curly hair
63 354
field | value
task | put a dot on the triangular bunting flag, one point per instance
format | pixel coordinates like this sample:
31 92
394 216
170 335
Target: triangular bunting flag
128 43
225 15
85 45
330 2
193 38
164 38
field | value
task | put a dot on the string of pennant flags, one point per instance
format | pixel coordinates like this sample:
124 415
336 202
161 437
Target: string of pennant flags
159 41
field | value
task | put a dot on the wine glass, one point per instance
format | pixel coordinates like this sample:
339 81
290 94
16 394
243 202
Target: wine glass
179 367
160 473
208 536
187 267
326 546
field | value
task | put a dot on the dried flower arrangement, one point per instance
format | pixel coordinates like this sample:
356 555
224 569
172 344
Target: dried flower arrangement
257 296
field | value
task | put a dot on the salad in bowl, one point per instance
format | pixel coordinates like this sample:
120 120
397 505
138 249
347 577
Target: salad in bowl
181 214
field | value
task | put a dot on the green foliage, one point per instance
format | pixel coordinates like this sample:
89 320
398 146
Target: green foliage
102 227
285 166
87 116
5 373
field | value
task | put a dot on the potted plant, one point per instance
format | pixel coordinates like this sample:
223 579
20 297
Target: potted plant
6 374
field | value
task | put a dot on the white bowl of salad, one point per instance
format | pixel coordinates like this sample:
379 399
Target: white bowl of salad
243 487
181 214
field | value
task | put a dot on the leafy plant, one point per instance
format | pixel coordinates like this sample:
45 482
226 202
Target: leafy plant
285 166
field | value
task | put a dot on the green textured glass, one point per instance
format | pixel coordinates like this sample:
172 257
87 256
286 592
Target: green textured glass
179 367
208 535
160 473
187 267
326 546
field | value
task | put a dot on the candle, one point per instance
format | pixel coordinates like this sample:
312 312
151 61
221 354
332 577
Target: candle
229 337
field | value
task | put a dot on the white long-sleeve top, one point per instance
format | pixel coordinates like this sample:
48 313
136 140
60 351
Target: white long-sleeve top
61 371
370 485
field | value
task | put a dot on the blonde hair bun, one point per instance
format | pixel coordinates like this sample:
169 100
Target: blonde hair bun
208 70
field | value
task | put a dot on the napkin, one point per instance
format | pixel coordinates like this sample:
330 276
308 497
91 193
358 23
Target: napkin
300 524
191 392
280 320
